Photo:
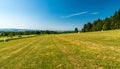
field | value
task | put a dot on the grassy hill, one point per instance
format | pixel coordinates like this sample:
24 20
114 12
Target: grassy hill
92 50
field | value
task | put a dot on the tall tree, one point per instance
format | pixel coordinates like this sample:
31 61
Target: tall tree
76 30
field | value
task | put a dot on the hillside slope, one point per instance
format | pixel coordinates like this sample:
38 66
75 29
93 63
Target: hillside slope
94 50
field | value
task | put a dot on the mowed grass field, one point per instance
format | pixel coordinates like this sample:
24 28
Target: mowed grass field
95 50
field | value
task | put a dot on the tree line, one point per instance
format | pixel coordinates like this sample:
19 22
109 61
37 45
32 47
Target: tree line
19 34
2 33
109 23
36 32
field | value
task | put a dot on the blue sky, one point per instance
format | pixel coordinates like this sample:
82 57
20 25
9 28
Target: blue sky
54 14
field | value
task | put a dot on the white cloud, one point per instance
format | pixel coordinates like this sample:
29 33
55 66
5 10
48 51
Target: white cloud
94 13
75 14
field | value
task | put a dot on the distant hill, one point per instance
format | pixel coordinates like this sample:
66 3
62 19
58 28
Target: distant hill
14 30
109 23
30 30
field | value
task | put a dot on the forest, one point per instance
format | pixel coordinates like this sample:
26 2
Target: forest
109 23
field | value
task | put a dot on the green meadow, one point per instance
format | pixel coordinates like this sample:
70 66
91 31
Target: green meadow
92 50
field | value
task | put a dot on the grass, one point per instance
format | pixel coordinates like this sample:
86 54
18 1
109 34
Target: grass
93 50
14 37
